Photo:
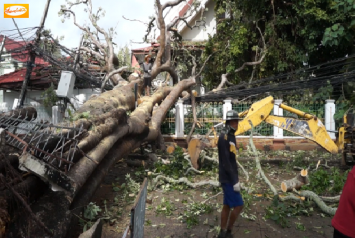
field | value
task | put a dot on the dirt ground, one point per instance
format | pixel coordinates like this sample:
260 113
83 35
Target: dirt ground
252 223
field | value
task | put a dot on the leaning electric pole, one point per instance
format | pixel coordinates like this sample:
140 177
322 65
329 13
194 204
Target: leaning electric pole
32 58
2 46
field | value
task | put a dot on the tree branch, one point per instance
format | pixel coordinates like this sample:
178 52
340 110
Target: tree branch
94 40
204 64
97 54
223 82
135 20
193 106
257 161
117 71
261 58
186 181
172 3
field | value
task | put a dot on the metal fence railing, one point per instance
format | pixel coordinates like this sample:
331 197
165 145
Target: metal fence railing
138 212
168 125
209 114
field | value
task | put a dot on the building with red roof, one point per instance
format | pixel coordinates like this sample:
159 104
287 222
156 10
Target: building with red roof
15 55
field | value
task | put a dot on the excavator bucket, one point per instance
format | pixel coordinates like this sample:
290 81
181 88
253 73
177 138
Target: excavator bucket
256 114
312 129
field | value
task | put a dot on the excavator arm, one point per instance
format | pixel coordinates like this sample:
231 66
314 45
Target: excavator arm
309 127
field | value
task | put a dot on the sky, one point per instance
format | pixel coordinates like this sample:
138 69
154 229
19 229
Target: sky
127 31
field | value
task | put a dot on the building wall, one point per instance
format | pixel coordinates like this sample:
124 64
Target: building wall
201 33
35 99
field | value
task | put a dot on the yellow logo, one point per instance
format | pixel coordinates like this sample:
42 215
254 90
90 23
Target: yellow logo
16 10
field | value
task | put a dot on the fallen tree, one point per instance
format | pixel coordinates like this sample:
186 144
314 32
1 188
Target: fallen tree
111 125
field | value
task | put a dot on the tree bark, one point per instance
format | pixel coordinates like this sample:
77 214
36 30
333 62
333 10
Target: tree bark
296 182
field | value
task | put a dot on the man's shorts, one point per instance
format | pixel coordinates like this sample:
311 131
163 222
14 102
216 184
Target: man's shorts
147 82
231 198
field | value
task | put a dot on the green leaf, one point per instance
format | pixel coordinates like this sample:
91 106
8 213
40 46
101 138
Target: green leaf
335 27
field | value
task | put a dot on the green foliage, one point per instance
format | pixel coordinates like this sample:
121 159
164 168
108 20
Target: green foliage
165 207
124 56
280 211
192 211
81 115
49 97
91 212
300 226
175 167
129 189
342 106
302 32
324 92
325 182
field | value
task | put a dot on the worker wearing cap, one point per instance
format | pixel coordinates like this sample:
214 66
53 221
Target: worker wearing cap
147 67
228 175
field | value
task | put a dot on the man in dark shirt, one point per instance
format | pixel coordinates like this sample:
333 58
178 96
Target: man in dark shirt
147 67
228 175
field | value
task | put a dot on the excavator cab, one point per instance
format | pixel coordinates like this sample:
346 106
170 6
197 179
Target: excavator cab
346 137
349 118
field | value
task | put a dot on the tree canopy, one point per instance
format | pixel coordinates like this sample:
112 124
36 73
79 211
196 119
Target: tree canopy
297 33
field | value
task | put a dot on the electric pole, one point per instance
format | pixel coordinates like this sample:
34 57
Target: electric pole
77 55
32 57
2 46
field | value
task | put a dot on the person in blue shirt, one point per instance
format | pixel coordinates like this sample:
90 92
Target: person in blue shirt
228 175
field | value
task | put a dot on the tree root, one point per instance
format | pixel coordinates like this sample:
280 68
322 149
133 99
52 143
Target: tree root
257 161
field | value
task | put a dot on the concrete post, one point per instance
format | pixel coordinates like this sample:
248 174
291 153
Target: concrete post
57 115
179 119
278 132
329 117
227 106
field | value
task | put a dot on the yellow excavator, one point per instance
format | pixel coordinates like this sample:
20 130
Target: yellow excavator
307 125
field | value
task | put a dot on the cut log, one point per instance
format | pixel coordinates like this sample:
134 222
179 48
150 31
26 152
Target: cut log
296 182
194 150
170 149
291 184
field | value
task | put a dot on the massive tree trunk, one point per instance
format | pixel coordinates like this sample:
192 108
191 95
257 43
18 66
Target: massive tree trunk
113 134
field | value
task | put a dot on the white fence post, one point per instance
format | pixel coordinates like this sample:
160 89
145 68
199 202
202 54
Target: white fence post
179 119
278 132
329 117
227 106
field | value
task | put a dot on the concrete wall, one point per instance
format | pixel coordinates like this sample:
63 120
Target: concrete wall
35 99
201 33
